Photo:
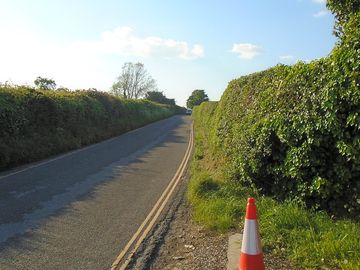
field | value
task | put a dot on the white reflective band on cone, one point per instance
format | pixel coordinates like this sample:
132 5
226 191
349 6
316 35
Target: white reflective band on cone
251 240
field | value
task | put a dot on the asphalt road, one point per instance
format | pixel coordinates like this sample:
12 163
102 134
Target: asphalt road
79 210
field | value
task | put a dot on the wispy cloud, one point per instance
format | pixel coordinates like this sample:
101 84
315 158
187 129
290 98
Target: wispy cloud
80 64
124 41
287 57
246 50
321 13
319 1
67 64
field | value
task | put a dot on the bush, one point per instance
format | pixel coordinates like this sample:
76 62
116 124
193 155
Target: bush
293 131
35 124
343 10
311 239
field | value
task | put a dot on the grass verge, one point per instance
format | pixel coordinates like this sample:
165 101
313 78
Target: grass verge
310 239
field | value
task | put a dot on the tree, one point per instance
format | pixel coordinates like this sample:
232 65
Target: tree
196 98
44 83
343 10
159 97
133 82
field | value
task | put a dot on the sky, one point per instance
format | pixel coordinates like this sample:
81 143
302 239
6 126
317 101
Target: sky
183 44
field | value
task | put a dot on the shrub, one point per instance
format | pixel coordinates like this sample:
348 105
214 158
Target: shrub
293 131
35 124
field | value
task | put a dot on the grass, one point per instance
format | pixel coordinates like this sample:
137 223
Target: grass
313 240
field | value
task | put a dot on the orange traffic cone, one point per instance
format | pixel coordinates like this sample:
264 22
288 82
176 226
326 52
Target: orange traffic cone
251 257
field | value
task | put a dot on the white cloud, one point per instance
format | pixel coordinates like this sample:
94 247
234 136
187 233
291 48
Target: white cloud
246 50
25 55
123 41
319 1
321 13
287 57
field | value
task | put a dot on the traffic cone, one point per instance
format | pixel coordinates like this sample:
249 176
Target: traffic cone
251 257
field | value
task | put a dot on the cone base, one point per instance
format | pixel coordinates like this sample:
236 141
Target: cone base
251 262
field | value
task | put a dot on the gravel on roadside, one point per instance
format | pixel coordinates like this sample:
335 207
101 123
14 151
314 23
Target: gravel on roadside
188 246
179 243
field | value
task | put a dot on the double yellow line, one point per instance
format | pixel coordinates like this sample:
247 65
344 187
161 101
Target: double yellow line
146 226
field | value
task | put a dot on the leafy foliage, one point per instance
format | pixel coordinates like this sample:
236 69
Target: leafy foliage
311 239
35 123
159 97
293 131
343 10
196 98
44 83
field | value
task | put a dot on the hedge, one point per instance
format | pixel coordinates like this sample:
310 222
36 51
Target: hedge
293 131
35 124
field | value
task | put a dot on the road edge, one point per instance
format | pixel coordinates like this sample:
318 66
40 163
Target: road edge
159 218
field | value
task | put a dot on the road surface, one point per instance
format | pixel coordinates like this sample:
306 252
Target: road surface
79 210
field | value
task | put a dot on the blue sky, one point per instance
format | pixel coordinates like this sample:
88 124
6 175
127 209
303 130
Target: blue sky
185 45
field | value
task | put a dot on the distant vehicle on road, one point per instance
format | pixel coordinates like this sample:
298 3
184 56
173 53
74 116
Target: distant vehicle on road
188 111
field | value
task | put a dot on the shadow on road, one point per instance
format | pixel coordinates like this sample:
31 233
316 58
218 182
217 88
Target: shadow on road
33 199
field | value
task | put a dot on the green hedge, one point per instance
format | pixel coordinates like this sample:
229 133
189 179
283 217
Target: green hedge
35 124
293 131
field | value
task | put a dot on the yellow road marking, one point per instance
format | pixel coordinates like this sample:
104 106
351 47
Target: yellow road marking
154 213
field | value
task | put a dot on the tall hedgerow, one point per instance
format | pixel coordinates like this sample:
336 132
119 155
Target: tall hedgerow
343 11
37 123
293 131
